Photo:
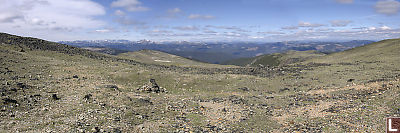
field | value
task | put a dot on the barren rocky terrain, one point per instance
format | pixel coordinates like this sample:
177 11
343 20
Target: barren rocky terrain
51 87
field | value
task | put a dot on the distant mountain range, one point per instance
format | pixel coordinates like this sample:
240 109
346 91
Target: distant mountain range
217 52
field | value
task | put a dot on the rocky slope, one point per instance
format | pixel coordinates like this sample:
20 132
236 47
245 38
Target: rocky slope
49 87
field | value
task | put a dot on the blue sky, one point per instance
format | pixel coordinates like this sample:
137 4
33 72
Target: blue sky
202 20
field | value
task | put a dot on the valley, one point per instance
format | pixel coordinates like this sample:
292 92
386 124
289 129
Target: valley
216 52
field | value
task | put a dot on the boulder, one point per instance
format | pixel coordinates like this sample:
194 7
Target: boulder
151 87
54 96
244 89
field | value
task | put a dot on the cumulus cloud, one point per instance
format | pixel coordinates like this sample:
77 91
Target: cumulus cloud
187 28
373 28
198 16
130 5
10 16
160 31
290 28
362 33
234 34
385 28
129 22
119 13
174 10
272 32
345 1
103 30
235 28
173 13
210 31
63 13
307 24
388 7
340 23
303 25
43 17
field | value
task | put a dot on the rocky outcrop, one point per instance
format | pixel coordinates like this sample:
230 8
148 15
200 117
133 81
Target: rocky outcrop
152 87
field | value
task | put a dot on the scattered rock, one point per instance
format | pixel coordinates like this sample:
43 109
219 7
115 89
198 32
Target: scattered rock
269 97
116 130
54 96
153 83
112 87
145 101
8 100
75 76
244 89
87 96
96 130
351 80
22 85
284 89
14 89
237 100
117 119
218 100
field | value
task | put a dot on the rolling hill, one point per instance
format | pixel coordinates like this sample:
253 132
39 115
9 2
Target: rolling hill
386 50
276 59
157 57
219 52
51 87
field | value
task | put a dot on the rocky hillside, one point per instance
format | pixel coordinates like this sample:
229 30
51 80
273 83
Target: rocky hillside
50 87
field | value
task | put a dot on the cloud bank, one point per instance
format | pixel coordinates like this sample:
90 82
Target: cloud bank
388 7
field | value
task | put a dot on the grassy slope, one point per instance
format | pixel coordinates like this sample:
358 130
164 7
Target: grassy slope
386 50
318 98
276 59
157 57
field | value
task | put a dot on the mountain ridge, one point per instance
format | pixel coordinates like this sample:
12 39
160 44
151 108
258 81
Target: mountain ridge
220 52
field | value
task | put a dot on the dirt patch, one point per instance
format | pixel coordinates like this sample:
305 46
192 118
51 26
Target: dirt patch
225 111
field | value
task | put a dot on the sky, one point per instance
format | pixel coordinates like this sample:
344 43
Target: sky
202 20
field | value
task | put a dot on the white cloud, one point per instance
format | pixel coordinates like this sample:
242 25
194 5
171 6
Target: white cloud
129 22
371 28
103 30
198 16
43 17
307 24
272 32
173 13
290 28
130 5
119 13
345 1
160 31
9 17
340 23
187 28
174 10
235 28
385 27
388 7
